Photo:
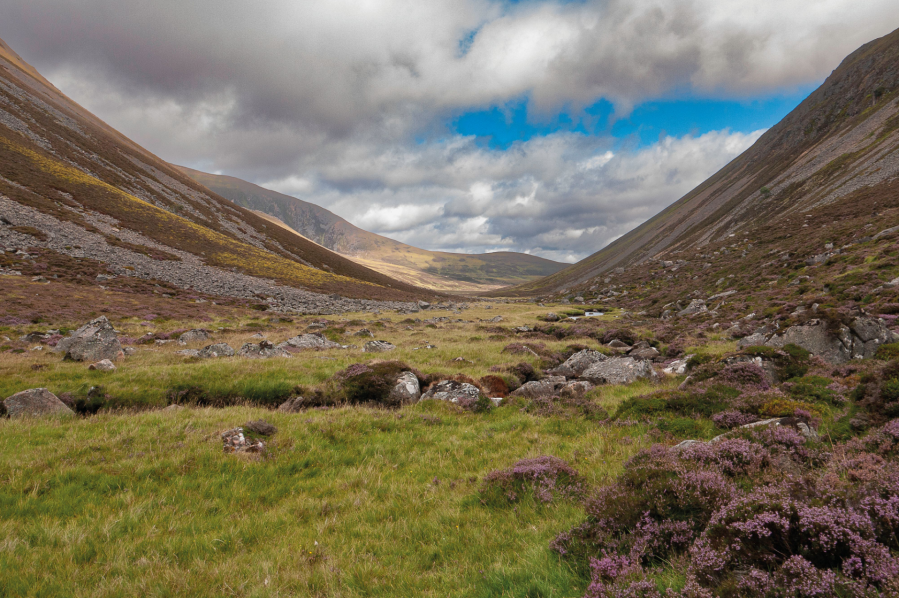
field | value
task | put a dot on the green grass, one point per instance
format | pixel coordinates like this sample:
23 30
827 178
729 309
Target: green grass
349 502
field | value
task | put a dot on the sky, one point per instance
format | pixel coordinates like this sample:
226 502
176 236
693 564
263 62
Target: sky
543 126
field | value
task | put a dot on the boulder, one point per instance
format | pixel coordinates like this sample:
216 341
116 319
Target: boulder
35 402
452 391
365 332
551 317
644 353
262 350
618 344
548 387
104 365
406 390
678 367
423 305
377 347
309 341
695 307
193 336
575 365
496 319
216 350
94 341
619 370
859 340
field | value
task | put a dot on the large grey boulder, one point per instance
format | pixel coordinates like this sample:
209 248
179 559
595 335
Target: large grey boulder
216 350
452 391
309 341
859 340
377 347
619 370
192 336
575 365
407 390
548 387
35 402
262 350
94 341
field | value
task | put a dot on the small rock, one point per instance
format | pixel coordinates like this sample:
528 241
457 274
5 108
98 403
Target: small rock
365 332
452 391
377 347
188 353
617 344
234 441
263 350
104 365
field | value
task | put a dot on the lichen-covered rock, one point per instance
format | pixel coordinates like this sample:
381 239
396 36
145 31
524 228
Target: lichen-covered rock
859 340
619 370
644 353
406 390
548 387
192 336
696 306
35 402
452 391
575 365
308 341
94 341
216 350
262 350
377 347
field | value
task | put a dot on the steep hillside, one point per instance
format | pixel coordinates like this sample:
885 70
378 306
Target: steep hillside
431 269
840 141
72 186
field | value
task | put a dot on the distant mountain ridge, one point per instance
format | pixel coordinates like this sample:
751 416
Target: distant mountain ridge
841 139
432 269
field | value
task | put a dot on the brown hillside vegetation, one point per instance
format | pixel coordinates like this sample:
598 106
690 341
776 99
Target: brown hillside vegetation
841 139
58 161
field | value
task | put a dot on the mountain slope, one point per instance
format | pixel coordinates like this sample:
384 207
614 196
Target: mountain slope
74 186
841 139
432 269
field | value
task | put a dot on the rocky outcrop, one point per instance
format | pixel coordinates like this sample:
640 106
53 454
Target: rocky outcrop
619 370
262 350
696 306
452 391
310 341
578 363
216 350
95 341
34 403
377 347
548 387
859 340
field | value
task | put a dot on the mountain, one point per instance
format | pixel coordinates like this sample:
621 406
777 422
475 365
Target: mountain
430 269
73 188
832 155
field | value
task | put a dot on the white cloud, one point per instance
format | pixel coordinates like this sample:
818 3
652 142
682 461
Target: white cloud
345 103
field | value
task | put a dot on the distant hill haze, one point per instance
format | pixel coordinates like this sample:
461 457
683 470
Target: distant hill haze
430 269
841 141
77 189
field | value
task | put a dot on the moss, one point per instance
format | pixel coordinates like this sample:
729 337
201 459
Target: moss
682 427
887 352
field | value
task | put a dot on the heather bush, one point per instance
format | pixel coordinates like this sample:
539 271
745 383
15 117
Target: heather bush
367 383
546 478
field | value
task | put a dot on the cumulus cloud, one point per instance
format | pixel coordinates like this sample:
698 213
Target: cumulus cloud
345 103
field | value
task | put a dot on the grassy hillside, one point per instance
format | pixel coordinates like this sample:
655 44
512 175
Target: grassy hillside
841 138
62 162
430 269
